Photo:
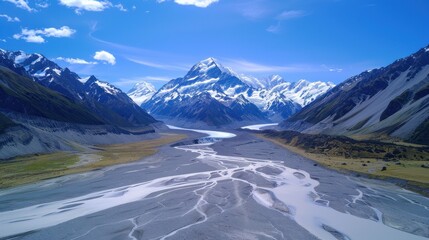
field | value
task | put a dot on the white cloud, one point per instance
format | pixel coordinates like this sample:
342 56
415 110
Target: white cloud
64 31
197 3
3 40
38 35
105 57
21 4
10 19
87 5
121 7
75 61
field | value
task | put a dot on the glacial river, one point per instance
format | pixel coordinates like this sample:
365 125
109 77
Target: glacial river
193 192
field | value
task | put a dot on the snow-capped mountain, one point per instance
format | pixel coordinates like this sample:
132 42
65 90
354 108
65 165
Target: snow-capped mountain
392 100
141 92
209 92
302 92
242 98
108 102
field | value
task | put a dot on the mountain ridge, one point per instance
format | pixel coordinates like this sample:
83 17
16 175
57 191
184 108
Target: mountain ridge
108 102
264 100
391 100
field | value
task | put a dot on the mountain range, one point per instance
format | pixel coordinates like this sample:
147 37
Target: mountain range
391 101
215 95
44 107
109 103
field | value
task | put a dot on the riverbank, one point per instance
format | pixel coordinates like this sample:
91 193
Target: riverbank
409 174
34 168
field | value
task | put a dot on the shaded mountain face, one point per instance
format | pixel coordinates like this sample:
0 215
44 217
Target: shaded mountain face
22 95
224 95
107 102
392 100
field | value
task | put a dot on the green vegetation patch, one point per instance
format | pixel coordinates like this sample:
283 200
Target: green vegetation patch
33 168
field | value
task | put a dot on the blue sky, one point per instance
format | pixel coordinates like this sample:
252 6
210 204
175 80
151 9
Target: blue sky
125 41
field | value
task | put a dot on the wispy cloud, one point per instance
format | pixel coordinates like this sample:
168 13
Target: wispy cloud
21 4
196 3
10 19
284 16
245 66
75 61
332 69
42 4
105 56
274 28
86 5
39 35
134 54
121 7
252 67
134 80
157 65
252 9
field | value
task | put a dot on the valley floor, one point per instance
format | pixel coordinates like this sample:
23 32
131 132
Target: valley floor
34 168
238 187
408 173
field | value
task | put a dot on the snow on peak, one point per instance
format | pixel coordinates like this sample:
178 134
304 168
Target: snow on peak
84 80
107 87
209 61
206 66
141 92
252 81
275 78
143 87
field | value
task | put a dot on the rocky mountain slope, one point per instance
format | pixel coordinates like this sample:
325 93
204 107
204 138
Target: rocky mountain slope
20 94
44 108
392 100
109 103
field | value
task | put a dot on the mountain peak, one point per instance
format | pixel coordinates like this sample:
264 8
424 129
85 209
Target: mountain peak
92 78
142 92
208 67
209 63
142 87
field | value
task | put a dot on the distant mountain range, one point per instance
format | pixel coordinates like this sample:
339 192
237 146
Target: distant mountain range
44 107
390 101
215 95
